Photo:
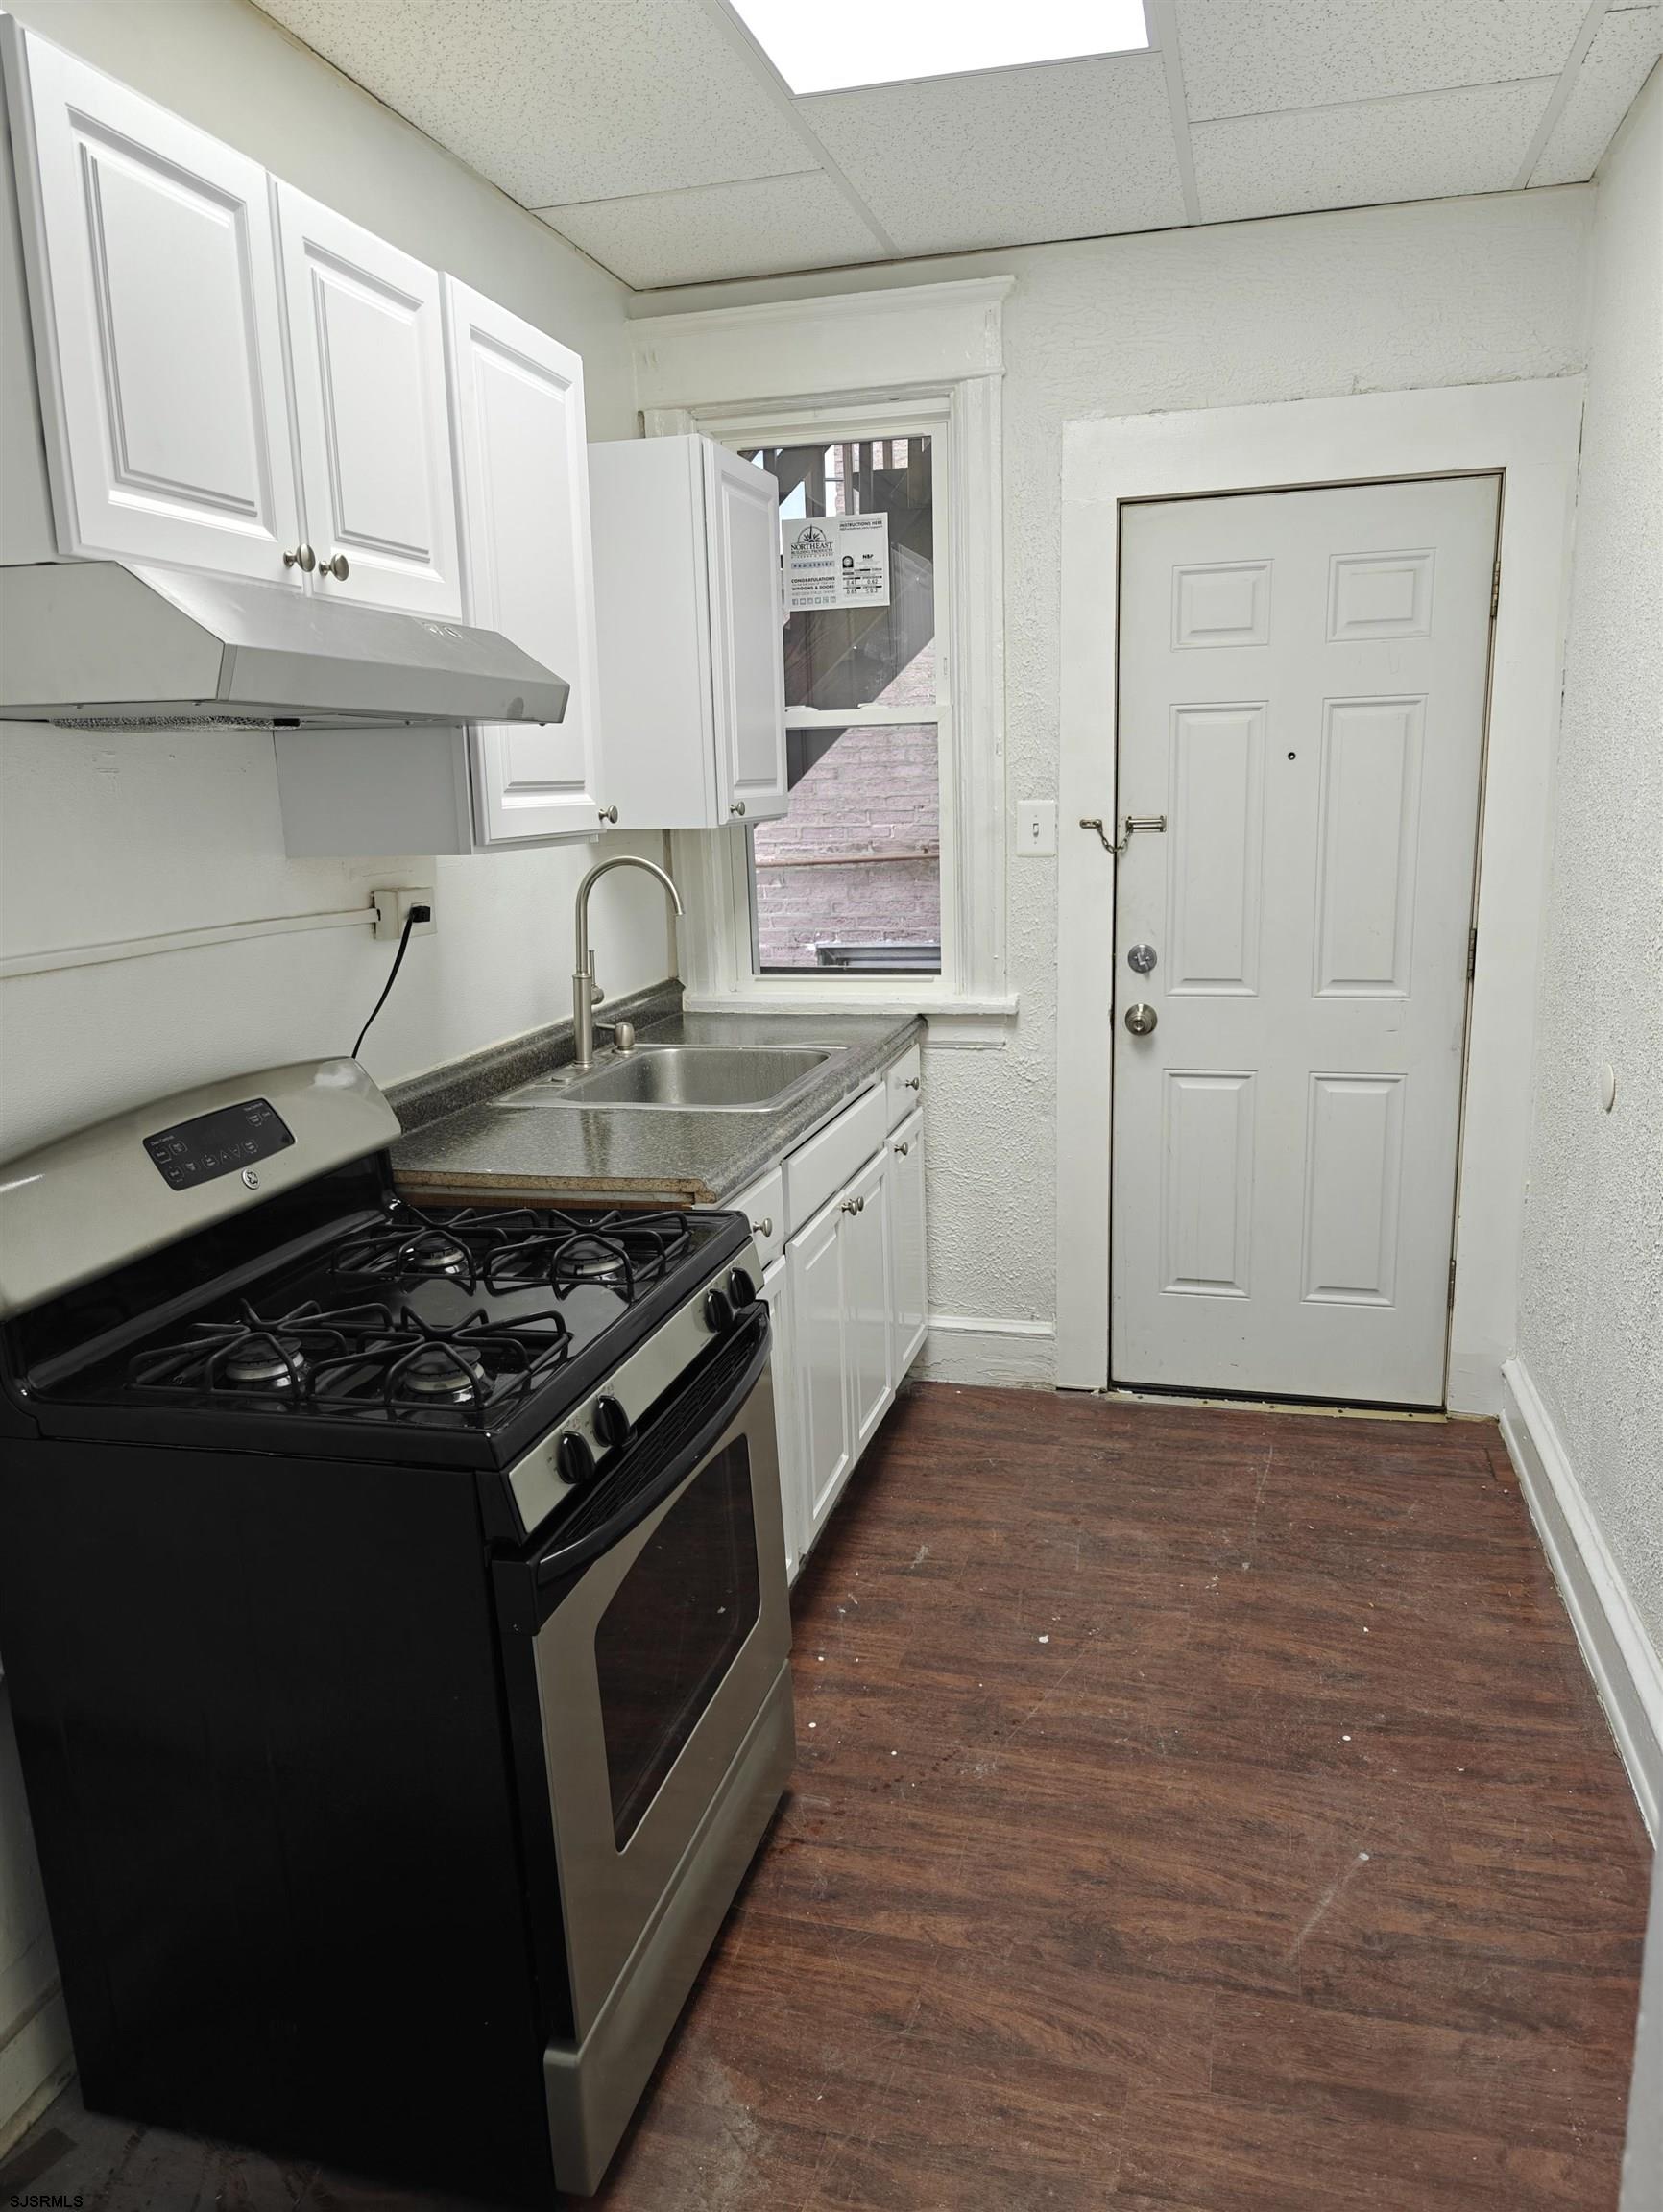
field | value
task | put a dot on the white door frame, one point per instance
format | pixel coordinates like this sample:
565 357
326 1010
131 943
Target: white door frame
1528 431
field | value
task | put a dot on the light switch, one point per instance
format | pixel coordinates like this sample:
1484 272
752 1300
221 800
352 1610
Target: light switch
1036 827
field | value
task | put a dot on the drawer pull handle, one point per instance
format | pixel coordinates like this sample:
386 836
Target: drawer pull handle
854 1205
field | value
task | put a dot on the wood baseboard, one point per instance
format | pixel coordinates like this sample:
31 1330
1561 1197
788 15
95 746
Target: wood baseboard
1627 1666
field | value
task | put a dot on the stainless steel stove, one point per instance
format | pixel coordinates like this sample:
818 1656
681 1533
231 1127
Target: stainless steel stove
394 1608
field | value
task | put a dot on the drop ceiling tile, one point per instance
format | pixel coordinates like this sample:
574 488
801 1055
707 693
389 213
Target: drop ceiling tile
1261 56
746 230
561 100
1625 51
1429 146
1065 149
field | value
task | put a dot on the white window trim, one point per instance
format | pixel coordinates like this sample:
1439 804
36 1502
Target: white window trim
932 356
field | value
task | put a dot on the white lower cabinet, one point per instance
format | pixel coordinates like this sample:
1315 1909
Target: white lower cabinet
782 1372
903 1215
820 1360
868 1322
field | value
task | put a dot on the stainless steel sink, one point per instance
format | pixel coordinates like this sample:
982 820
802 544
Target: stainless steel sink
684 1079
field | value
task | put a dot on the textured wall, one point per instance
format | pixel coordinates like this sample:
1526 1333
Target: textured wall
1591 1331
1453 292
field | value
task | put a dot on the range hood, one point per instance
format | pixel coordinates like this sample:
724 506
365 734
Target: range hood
111 645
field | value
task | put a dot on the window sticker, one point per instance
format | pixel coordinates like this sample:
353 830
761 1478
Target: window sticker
836 561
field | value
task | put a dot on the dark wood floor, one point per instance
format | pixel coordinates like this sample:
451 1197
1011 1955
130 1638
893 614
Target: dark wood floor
1197 1810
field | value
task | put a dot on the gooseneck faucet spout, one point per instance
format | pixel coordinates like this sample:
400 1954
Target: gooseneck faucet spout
586 993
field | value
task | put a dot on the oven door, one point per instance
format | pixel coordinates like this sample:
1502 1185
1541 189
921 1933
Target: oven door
667 1643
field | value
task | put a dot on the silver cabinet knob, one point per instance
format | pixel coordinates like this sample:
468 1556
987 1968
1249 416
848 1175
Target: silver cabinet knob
1140 1018
913 1083
737 808
337 565
854 1205
765 1226
302 558
904 1150
609 813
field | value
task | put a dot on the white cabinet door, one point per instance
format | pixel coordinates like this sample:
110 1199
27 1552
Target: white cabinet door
867 1313
524 463
815 1261
367 361
777 1297
158 338
743 522
908 1282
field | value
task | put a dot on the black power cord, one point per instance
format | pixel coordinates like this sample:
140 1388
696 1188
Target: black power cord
415 915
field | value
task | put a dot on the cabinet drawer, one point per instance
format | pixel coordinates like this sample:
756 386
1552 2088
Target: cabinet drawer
826 1161
904 1085
764 1206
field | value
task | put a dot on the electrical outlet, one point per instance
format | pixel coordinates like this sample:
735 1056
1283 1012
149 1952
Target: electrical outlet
393 907
1036 827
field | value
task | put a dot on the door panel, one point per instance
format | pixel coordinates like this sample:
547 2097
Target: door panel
776 1291
750 668
868 1304
1303 679
139 229
815 1261
908 1270
524 471
366 341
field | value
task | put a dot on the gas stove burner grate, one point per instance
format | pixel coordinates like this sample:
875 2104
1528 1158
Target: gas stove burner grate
414 1366
254 1355
625 1253
415 1247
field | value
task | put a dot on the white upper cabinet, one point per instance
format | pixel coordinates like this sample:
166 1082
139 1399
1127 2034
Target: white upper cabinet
367 351
523 461
688 612
157 332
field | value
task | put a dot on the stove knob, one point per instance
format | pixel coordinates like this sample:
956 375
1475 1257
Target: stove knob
718 1312
575 1458
742 1290
612 1424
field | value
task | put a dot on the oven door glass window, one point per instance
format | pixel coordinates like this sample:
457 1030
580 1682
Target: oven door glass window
672 1629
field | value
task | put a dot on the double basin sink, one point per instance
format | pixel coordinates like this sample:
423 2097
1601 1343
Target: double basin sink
684 1079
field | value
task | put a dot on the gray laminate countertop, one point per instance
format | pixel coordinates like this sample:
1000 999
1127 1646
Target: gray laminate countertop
545 1153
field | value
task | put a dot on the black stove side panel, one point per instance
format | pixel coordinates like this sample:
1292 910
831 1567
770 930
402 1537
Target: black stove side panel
259 1714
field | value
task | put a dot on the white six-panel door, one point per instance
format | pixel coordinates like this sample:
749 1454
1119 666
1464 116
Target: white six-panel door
524 469
366 351
157 325
1303 680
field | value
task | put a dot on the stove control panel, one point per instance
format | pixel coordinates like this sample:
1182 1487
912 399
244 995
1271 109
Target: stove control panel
218 1143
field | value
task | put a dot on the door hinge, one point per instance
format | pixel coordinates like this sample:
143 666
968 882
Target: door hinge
1452 1280
1472 952
1495 587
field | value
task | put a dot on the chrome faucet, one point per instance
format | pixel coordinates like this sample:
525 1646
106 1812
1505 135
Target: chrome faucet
585 993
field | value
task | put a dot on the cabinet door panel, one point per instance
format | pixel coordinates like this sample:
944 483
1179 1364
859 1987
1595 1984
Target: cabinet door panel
815 1264
743 505
868 1317
366 351
793 1504
524 476
908 1279
153 299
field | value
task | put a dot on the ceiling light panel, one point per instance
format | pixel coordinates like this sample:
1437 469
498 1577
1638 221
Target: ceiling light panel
829 49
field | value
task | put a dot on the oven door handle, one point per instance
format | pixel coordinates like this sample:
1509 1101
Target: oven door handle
664 1458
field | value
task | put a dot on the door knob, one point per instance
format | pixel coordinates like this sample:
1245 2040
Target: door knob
1140 1018
337 565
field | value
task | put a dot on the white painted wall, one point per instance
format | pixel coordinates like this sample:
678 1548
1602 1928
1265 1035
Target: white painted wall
105 837
1591 1329
1390 298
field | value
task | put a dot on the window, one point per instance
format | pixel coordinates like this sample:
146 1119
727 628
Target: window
849 882
859 403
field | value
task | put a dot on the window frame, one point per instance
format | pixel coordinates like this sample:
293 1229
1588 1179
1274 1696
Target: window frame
831 428
942 343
